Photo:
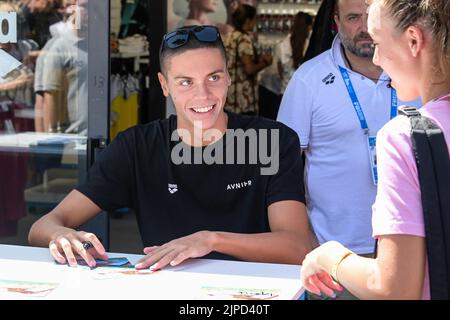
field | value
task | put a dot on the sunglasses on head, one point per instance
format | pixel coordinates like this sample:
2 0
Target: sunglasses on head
180 37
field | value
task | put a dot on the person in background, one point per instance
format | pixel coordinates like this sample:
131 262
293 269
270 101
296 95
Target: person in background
288 55
64 75
337 102
412 45
35 17
244 63
324 30
17 77
230 7
58 29
291 51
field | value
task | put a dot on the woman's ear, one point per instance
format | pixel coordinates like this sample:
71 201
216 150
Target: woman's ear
416 40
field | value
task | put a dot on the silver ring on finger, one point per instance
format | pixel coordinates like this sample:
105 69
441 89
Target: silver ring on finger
87 245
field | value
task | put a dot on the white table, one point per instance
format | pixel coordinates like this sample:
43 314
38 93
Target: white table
194 279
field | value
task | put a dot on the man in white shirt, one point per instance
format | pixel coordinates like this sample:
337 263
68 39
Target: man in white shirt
337 102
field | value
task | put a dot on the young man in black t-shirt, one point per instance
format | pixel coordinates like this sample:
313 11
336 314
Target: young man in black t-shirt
204 183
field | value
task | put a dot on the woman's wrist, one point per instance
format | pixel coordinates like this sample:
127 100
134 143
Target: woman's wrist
337 263
330 254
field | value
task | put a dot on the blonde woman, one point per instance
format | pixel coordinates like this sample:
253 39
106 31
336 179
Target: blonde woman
412 45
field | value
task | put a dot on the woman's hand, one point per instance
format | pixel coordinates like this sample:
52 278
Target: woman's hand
316 268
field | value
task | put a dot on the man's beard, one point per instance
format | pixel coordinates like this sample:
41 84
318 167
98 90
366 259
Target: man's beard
364 51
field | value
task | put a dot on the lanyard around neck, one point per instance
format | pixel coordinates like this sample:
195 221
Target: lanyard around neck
357 105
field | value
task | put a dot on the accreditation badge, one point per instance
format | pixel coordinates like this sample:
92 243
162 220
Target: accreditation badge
372 146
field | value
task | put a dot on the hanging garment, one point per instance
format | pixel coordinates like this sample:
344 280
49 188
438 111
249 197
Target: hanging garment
125 104
135 18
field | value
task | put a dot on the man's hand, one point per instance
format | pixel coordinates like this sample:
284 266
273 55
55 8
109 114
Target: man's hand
176 251
66 245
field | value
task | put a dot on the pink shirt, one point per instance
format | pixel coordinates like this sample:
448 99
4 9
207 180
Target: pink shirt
398 207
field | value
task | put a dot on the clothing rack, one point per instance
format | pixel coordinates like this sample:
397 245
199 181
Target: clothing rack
137 59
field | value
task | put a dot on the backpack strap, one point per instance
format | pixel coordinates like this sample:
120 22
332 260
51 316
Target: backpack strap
433 165
409 111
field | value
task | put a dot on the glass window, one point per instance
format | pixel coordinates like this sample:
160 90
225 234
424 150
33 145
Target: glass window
43 108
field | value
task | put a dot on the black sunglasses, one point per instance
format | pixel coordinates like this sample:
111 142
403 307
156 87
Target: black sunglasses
180 37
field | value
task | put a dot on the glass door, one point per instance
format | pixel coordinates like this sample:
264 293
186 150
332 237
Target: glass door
54 95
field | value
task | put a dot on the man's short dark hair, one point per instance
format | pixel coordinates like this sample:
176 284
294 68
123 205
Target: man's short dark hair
165 53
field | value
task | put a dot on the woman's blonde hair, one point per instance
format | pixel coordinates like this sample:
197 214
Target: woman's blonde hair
434 15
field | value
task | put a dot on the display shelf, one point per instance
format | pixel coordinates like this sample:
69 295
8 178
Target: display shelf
311 8
275 19
139 58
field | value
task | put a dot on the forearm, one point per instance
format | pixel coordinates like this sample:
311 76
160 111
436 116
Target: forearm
75 210
362 277
45 230
253 68
359 275
275 247
49 112
38 114
367 279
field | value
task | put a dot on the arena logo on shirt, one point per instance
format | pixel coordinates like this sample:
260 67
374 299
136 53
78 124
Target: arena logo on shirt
8 34
247 147
172 188
329 79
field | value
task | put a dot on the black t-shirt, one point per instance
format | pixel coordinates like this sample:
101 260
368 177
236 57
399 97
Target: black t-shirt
172 200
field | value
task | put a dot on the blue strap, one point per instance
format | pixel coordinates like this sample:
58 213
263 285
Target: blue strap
394 103
357 105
